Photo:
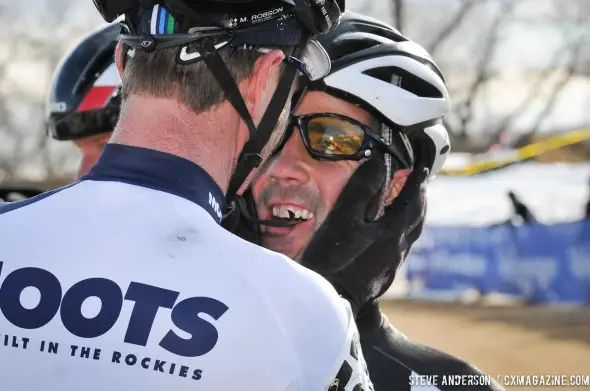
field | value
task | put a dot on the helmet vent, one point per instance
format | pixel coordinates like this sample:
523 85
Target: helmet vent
345 47
405 80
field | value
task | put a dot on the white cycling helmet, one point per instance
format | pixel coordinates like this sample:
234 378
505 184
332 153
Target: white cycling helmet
393 78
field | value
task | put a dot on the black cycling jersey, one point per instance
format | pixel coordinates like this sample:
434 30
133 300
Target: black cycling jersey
394 361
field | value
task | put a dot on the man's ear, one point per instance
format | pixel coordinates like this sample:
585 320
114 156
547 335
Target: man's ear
259 88
396 185
119 58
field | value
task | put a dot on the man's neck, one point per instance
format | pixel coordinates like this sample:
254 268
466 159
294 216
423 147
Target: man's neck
165 125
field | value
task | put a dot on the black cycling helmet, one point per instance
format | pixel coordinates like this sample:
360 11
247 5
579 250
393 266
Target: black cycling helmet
84 95
317 16
199 28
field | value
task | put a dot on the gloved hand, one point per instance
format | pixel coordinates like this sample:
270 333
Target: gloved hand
360 257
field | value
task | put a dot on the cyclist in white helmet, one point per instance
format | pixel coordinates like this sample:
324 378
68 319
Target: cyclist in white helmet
345 195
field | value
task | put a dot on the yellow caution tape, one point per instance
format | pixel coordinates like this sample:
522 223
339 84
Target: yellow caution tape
524 153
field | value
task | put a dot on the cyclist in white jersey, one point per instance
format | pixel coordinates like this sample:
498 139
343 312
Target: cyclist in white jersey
125 279
84 116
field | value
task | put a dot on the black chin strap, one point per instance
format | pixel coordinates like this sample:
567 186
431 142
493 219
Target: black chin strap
242 219
227 83
243 208
250 157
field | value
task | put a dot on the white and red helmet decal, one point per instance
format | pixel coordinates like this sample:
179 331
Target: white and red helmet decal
102 90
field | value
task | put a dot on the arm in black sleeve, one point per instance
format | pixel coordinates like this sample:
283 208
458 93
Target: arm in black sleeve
392 358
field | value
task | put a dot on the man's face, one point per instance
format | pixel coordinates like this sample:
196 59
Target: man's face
304 185
91 148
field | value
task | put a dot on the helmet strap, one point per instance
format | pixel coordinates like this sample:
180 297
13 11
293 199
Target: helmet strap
251 158
387 134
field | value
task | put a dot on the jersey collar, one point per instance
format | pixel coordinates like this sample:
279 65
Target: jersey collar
159 171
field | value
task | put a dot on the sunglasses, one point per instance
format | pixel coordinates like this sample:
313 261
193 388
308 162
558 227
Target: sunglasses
336 137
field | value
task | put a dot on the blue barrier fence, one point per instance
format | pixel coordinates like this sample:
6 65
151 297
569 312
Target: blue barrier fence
541 263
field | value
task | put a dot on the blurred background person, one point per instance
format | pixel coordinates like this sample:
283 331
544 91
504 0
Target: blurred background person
521 212
84 98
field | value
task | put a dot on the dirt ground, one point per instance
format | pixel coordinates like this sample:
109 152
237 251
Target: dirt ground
502 340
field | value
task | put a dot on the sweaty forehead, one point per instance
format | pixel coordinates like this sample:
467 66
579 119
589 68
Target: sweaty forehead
320 102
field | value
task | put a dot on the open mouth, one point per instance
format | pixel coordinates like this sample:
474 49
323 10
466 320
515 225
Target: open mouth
294 216
291 213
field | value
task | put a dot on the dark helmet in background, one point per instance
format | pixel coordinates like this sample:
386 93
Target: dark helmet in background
84 94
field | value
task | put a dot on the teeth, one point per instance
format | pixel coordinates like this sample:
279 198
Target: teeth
291 212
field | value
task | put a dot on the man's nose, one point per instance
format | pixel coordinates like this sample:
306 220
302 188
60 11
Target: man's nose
292 164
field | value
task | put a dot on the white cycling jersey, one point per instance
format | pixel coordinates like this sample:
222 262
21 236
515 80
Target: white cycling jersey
126 281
